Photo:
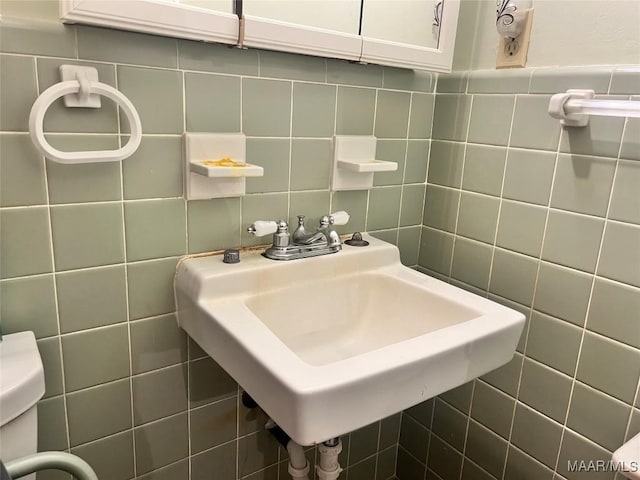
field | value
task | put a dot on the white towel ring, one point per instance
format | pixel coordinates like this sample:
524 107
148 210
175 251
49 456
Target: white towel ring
51 94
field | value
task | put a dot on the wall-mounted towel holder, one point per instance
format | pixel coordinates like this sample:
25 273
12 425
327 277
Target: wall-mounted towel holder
81 88
574 107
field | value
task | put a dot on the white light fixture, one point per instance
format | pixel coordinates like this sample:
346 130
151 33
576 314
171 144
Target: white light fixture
511 17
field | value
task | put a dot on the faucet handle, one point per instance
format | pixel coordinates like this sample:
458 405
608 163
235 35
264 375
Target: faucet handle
260 228
340 218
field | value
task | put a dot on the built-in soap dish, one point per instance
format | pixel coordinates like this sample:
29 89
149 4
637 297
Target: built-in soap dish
225 167
354 162
215 165
367 166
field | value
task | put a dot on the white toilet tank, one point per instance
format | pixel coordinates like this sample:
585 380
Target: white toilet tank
21 386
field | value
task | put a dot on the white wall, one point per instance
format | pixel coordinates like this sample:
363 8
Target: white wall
35 9
565 32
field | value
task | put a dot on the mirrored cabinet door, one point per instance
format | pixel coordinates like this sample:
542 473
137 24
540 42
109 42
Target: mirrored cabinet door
410 33
207 20
400 21
311 27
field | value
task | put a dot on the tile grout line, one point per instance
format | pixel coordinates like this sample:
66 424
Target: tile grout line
98 267
466 430
332 193
549 209
373 131
258 75
404 169
54 280
185 179
428 161
589 300
276 192
459 187
429 440
241 203
184 172
495 248
636 401
377 452
126 286
76 43
604 230
326 71
455 236
237 439
397 441
494 245
610 82
290 159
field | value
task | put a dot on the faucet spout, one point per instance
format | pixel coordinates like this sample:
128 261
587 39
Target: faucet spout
301 244
325 233
311 238
301 236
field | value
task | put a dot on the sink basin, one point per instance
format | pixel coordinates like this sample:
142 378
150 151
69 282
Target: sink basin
627 458
353 314
329 344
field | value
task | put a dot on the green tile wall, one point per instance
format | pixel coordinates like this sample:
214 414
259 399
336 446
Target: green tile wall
88 252
546 221
508 205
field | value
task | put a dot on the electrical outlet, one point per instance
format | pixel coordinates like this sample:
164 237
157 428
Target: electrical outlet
512 52
511 47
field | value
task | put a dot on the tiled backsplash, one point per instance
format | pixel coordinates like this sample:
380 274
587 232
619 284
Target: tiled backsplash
89 251
546 221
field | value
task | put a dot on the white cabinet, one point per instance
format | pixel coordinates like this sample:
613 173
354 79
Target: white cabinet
386 32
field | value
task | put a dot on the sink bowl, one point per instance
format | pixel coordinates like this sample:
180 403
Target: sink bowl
627 458
353 314
329 344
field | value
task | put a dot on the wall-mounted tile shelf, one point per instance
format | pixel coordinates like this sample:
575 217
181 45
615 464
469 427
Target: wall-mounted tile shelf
222 168
354 162
214 165
367 166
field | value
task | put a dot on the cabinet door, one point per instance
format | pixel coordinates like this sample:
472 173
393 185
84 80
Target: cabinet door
311 27
401 33
208 20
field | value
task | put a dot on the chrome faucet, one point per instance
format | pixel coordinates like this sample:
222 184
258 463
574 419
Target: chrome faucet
325 231
302 243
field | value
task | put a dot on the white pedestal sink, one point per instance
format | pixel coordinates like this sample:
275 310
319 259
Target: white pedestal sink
329 344
627 458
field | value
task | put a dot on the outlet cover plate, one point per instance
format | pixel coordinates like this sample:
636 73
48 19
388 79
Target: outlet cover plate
518 59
